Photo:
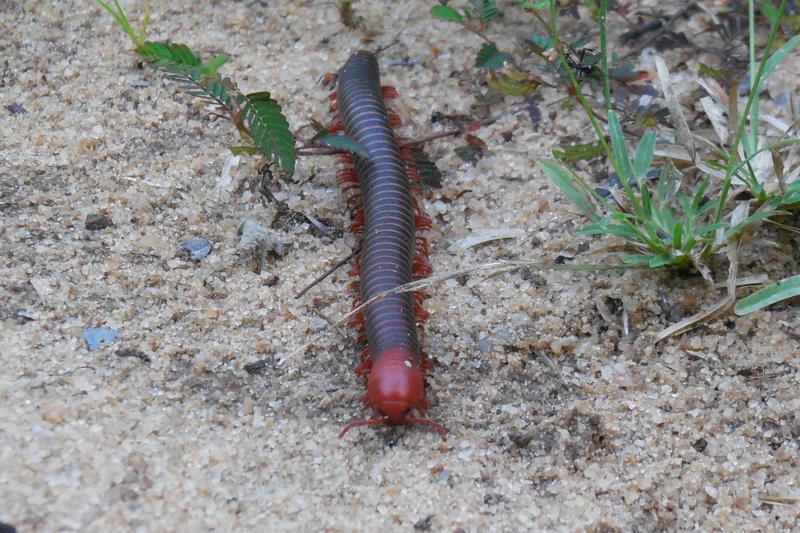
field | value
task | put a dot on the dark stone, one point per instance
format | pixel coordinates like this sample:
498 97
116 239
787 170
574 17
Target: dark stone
96 221
15 109
424 524
133 352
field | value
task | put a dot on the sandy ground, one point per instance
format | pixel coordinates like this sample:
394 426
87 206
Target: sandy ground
558 417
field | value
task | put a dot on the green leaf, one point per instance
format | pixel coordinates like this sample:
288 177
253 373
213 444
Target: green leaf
698 195
580 43
638 259
784 289
247 150
485 54
791 198
776 58
659 261
625 231
539 4
541 42
469 153
170 56
710 228
711 72
219 91
763 213
677 235
565 181
644 155
446 13
210 68
750 141
620 148
430 173
490 57
268 128
512 82
486 10
576 152
770 11
345 143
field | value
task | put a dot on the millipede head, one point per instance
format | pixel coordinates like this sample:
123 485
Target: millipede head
408 421
396 391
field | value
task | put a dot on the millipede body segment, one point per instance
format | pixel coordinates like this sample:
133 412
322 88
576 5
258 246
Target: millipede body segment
385 214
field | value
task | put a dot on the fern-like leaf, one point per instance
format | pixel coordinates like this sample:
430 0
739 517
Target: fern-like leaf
268 127
198 79
431 175
344 142
169 56
491 58
485 10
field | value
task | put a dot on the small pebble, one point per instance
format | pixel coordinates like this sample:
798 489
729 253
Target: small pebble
317 323
15 109
97 221
132 352
484 346
197 248
25 316
95 337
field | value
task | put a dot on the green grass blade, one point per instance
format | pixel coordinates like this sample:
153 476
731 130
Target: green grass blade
119 16
660 261
726 182
624 231
620 149
784 289
751 141
343 142
638 259
247 150
565 180
776 58
711 228
644 155
677 235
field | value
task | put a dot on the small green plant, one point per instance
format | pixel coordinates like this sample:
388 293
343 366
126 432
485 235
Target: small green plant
505 74
664 218
668 227
257 116
662 225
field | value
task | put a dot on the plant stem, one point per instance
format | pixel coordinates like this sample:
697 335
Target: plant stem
576 86
604 54
732 157
751 15
433 137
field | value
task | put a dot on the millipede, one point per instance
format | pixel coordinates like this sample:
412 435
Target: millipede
387 219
